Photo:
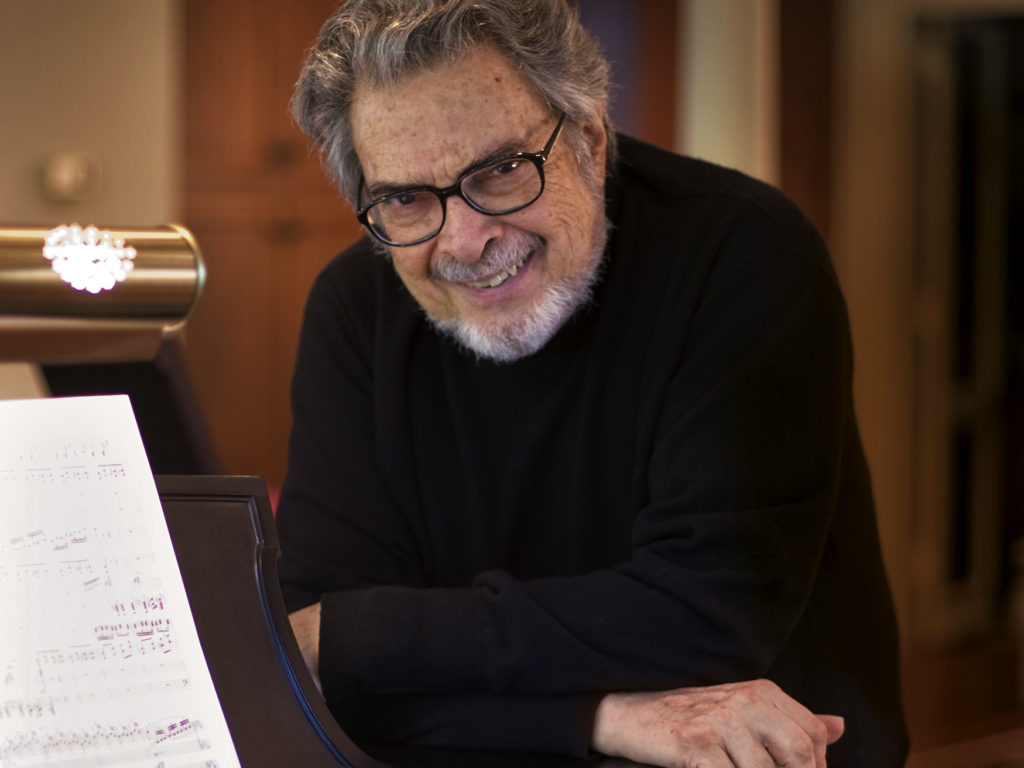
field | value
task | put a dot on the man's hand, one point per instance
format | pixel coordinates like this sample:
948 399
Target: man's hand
306 626
737 725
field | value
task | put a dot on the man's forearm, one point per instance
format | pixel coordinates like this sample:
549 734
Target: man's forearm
306 627
731 725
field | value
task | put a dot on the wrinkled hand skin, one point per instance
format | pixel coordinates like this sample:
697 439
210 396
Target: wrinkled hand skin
752 724
306 627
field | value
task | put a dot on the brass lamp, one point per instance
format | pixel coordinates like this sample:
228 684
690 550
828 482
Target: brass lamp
73 294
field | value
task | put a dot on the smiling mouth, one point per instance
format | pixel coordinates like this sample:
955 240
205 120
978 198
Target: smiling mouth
498 279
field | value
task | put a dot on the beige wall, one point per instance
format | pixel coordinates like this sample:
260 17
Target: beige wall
98 76
726 105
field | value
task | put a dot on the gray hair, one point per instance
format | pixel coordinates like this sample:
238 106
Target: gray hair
376 43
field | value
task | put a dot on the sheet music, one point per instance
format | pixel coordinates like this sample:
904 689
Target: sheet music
100 662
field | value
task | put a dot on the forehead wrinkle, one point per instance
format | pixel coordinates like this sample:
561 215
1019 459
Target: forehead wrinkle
407 140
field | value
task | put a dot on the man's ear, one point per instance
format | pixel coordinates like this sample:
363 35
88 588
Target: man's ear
597 143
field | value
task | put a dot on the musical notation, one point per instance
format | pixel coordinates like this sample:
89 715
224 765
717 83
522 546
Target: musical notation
100 663
111 744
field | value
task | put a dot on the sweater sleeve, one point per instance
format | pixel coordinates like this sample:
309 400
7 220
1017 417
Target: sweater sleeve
556 725
333 473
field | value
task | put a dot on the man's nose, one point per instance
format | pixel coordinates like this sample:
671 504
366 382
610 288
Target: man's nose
466 231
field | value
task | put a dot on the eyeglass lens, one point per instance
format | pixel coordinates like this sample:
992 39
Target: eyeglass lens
501 187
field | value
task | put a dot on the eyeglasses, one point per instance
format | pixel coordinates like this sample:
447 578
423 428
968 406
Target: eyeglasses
496 187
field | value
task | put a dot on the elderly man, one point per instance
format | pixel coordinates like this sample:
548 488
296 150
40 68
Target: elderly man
574 465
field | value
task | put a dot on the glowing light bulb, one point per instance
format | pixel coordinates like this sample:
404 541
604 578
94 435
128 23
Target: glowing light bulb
88 259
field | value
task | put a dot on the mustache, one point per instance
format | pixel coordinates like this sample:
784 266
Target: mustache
498 254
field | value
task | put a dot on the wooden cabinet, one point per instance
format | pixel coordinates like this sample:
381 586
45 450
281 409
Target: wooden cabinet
264 215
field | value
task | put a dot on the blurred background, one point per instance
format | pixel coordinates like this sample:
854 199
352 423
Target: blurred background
897 125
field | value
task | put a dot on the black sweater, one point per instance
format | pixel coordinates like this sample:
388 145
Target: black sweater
671 492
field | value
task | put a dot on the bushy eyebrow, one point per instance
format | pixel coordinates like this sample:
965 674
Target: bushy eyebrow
381 189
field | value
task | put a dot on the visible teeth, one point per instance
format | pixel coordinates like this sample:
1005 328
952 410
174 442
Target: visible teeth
499 278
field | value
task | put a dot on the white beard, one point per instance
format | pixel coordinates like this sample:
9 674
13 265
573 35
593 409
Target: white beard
519 336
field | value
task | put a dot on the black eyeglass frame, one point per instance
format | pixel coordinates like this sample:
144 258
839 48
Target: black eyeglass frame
537 158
